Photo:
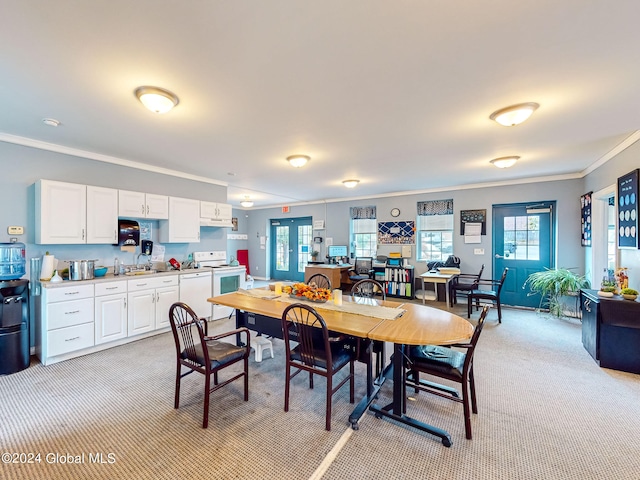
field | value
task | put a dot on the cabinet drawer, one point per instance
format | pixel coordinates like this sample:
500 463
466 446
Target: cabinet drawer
109 288
69 293
68 339
152 282
66 314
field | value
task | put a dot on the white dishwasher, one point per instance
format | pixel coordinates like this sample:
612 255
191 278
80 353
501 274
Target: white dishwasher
195 288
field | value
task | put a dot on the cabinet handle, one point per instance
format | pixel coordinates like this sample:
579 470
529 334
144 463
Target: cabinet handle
142 208
140 284
147 209
71 339
72 313
167 281
71 293
111 288
157 297
125 302
83 233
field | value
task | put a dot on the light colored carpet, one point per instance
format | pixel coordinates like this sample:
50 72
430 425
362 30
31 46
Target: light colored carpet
546 410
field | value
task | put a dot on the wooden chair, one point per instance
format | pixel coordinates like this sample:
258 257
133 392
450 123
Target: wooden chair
492 296
311 354
321 281
362 268
462 284
210 360
368 288
450 364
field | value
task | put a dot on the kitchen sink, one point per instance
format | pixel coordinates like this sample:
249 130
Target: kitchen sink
140 272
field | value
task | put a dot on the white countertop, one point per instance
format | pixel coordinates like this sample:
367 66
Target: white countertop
110 277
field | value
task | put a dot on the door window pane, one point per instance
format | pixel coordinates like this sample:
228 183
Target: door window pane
522 237
304 246
282 248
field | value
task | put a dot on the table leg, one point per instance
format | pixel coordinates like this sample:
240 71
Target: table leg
424 292
373 387
395 410
446 292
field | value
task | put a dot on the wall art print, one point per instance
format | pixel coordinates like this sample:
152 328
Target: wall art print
585 215
628 210
396 233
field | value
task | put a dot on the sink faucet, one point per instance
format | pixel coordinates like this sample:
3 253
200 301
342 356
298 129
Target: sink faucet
148 266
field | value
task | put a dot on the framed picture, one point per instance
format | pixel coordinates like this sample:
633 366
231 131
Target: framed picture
234 222
585 215
628 210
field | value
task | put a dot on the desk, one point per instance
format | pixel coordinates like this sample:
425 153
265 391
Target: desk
420 325
338 274
436 278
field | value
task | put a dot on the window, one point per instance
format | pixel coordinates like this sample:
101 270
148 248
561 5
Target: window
435 230
365 237
304 250
364 231
522 237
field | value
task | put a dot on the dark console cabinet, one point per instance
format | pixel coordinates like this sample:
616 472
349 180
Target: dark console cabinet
611 331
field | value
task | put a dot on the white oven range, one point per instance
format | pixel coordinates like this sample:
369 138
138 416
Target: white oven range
226 278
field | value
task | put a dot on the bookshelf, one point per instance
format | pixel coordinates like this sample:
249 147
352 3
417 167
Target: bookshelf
396 280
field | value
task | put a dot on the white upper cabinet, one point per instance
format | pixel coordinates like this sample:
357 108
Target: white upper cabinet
183 225
102 215
60 212
142 205
212 213
70 213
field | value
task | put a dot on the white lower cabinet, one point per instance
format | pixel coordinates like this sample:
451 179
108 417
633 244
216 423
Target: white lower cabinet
149 302
110 311
67 322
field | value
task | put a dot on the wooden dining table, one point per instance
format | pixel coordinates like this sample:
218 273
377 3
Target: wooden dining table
415 325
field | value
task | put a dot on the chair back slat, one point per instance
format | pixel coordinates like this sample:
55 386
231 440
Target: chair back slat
303 325
367 288
502 279
320 280
183 322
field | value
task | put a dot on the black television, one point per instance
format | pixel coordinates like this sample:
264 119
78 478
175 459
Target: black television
337 251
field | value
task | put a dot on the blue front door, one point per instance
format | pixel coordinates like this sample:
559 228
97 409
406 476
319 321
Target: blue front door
523 241
291 241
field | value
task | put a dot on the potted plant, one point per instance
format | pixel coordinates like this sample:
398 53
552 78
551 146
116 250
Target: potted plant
314 255
553 285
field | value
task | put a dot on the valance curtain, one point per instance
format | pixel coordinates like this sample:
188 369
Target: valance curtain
363 213
435 215
435 207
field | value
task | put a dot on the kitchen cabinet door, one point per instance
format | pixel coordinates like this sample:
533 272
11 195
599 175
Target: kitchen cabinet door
157 206
60 212
102 215
141 312
165 297
216 211
131 204
225 212
110 317
183 225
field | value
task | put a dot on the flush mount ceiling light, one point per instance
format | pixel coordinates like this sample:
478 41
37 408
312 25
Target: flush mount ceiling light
505 162
350 183
246 202
51 122
156 99
298 160
515 114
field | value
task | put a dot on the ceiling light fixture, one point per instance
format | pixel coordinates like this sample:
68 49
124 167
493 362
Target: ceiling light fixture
515 114
350 183
298 160
505 162
51 122
156 99
246 202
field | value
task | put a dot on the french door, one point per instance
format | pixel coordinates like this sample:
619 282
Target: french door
523 241
291 240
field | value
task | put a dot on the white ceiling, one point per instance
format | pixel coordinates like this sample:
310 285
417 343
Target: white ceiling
395 93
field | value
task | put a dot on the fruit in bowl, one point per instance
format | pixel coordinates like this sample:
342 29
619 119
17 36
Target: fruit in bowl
629 293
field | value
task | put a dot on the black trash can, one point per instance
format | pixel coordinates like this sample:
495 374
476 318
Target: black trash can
14 326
